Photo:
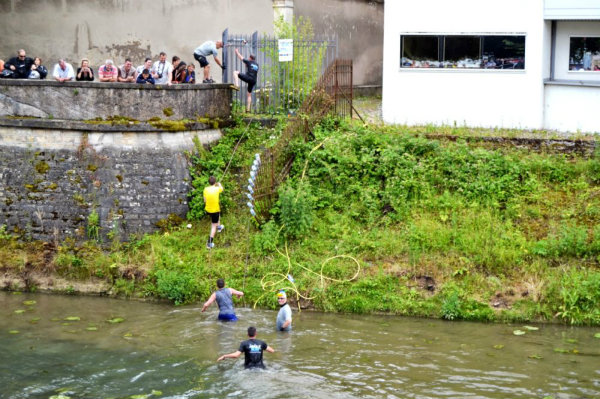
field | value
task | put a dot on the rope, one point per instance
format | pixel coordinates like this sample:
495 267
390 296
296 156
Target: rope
273 285
225 172
268 285
235 149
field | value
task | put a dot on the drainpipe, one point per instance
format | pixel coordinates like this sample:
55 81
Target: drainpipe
552 48
285 9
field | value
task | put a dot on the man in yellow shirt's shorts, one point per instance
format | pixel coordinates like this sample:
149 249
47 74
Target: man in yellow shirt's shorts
212 207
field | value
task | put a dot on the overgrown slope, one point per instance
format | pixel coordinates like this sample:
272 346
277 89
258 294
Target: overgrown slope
380 220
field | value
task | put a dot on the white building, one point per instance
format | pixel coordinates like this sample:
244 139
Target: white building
530 64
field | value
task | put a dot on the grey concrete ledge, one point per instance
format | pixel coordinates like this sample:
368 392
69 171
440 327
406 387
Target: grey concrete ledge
109 85
105 127
88 100
566 82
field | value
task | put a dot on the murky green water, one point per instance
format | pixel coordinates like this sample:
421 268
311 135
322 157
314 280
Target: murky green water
172 351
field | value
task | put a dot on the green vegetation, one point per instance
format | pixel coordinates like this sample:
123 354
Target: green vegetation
112 120
454 230
93 227
42 167
292 81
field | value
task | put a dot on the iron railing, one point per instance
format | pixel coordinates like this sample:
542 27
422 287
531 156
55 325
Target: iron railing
281 86
331 95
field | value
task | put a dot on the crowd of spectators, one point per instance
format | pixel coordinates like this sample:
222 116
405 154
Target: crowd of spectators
159 72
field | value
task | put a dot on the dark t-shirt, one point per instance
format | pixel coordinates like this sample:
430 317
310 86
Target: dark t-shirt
252 68
253 352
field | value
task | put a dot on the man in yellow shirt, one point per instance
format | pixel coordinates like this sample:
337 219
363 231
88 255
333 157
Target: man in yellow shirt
212 207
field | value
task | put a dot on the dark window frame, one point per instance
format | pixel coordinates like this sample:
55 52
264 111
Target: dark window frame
479 56
578 64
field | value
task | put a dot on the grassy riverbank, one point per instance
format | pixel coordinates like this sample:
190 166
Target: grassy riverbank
384 220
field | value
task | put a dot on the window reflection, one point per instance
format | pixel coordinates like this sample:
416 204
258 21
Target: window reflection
463 51
584 54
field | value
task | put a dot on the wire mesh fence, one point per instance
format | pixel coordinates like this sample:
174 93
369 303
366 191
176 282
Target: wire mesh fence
281 86
332 94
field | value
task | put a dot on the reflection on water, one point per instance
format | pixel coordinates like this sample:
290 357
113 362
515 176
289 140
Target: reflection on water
170 352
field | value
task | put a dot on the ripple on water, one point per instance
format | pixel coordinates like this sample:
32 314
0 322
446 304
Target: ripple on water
173 350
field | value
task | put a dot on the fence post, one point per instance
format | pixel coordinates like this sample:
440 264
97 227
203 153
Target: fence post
225 40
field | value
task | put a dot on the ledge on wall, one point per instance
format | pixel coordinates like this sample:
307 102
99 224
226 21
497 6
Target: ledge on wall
88 100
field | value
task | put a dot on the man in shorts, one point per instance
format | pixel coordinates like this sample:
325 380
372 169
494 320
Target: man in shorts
248 77
204 50
252 349
223 296
213 208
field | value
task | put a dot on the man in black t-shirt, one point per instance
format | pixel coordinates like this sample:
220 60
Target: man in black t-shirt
249 77
252 349
19 65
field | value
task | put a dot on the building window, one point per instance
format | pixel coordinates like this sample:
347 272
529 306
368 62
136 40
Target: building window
462 51
584 54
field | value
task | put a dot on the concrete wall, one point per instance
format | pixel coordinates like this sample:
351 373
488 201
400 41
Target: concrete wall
51 178
572 107
473 97
358 25
564 31
88 100
100 29
571 9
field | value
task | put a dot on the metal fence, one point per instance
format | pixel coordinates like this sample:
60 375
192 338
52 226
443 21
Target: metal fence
332 94
281 86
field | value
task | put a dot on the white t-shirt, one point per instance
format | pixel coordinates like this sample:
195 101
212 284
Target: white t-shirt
66 73
163 70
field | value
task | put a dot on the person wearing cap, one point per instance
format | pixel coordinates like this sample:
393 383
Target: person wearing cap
252 349
224 301
284 317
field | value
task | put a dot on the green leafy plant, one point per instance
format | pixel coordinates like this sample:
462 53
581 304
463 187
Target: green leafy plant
93 225
295 210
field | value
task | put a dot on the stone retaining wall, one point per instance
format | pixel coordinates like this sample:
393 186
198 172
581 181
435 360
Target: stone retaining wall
55 174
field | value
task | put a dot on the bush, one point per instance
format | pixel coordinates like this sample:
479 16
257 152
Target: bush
574 295
296 208
457 305
177 285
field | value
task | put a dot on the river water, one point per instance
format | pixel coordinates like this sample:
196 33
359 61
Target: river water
161 351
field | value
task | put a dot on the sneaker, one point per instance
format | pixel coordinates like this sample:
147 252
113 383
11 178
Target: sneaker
210 245
208 81
234 87
220 228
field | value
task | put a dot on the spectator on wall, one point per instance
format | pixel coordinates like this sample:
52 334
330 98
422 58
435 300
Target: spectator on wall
162 70
38 71
108 72
126 72
63 71
145 77
84 72
180 73
20 66
190 76
146 65
175 63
